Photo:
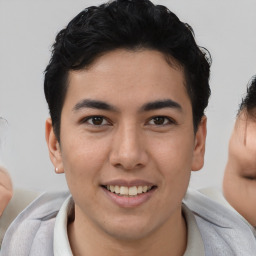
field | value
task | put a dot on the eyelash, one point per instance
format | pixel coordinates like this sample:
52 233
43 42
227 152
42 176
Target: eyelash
169 120
166 121
104 119
250 177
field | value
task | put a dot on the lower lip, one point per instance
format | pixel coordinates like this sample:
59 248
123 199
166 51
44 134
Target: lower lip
129 202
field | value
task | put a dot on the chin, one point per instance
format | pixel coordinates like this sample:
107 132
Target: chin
131 232
128 235
252 221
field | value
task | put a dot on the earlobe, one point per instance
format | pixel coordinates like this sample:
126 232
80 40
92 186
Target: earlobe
53 147
199 149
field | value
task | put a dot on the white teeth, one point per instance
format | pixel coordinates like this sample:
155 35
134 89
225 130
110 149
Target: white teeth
128 191
117 189
144 189
133 191
123 190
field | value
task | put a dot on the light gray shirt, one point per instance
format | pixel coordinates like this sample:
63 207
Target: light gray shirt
216 194
38 232
195 246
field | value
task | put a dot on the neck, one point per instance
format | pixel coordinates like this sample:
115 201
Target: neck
87 239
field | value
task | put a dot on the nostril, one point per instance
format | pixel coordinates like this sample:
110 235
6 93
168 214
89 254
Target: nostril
118 165
128 167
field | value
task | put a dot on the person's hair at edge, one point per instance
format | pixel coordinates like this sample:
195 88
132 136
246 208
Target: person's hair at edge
132 25
249 101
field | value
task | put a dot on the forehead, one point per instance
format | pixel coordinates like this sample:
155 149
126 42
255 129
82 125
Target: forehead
143 75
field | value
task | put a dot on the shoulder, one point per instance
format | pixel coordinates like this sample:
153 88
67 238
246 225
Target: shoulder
20 200
32 230
222 230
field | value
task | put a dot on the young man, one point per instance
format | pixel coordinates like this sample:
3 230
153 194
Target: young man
239 186
127 87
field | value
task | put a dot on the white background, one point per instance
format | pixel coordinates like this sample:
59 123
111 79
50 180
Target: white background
27 30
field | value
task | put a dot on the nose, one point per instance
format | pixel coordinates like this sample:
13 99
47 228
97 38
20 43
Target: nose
128 150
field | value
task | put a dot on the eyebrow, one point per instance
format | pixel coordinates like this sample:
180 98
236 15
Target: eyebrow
96 104
159 104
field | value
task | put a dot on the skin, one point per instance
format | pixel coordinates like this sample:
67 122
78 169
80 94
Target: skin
239 184
129 144
5 189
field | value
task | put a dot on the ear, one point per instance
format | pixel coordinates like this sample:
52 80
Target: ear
199 149
53 147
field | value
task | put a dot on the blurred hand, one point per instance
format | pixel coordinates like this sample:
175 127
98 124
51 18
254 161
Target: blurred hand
6 190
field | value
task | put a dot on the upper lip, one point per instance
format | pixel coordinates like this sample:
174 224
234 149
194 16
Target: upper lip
128 183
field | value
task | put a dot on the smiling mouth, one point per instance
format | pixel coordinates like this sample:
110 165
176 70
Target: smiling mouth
128 191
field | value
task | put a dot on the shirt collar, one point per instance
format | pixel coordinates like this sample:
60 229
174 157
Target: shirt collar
61 244
62 247
195 245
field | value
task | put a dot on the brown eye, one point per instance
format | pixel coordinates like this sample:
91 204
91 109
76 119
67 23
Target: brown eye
96 121
160 120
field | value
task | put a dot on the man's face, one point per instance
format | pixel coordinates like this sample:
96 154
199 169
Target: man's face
127 143
239 184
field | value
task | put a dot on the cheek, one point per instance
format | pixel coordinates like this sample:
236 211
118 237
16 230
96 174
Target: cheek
174 154
247 206
173 160
241 194
251 188
231 187
83 159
